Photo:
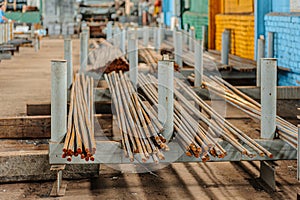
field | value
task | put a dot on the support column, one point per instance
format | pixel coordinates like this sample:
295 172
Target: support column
58 100
205 38
36 43
109 33
225 46
260 55
192 37
83 51
1 34
11 26
123 41
267 174
146 36
133 60
159 40
268 97
116 37
270 45
166 96
87 31
68 58
178 49
155 38
6 25
185 33
198 64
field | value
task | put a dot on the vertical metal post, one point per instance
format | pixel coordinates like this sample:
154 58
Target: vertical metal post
225 46
260 54
58 100
83 51
133 60
87 38
178 49
165 96
268 97
1 34
146 36
11 30
123 41
6 32
109 32
32 31
162 34
36 43
174 37
185 35
155 38
116 37
270 44
192 37
204 38
298 154
198 64
68 58
158 38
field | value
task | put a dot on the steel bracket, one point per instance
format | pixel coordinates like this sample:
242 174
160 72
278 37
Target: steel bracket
267 174
59 188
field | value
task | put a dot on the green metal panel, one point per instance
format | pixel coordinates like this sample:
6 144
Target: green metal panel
196 20
199 6
27 17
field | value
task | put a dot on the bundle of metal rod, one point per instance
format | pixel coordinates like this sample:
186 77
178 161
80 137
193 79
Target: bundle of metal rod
80 139
198 132
140 130
286 130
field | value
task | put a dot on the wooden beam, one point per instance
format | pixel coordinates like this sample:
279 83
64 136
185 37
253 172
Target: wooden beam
25 127
103 107
38 109
40 126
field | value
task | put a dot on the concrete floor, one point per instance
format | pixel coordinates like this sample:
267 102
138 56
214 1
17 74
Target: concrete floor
26 79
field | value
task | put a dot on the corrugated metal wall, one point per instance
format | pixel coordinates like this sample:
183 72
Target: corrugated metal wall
242 33
237 15
197 16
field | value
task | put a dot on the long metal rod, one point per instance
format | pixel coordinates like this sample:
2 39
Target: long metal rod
234 142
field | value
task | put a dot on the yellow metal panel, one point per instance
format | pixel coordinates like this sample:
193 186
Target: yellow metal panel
238 6
242 33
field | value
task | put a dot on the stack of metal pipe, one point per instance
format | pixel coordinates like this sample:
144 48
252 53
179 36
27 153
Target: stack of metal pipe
199 132
80 139
286 131
140 130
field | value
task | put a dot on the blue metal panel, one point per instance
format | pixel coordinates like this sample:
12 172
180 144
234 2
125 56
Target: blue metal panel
168 10
261 8
281 6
